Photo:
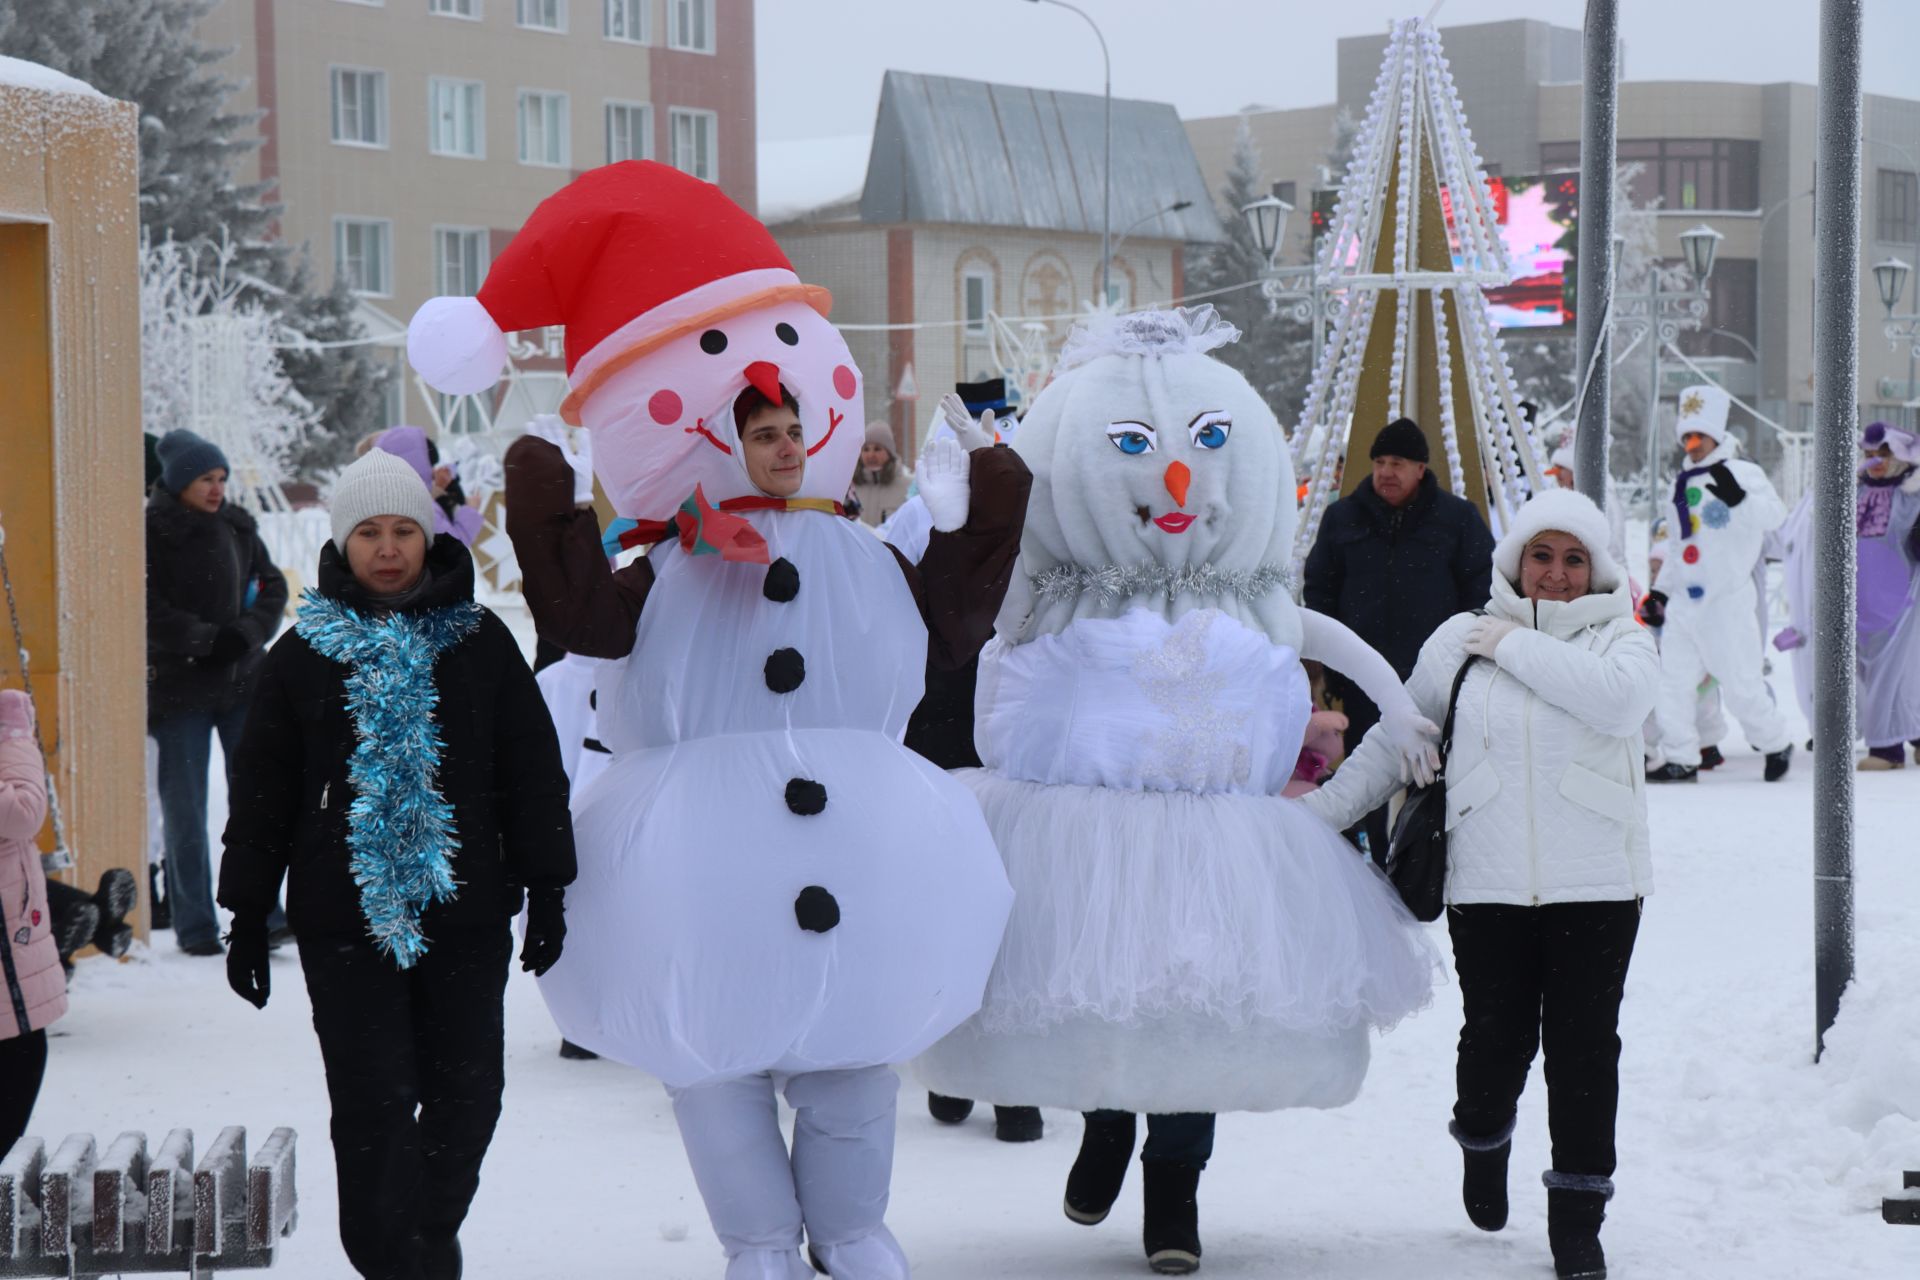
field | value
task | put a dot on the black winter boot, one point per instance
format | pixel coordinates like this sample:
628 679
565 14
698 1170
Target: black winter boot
1576 1206
1710 758
1674 773
1100 1170
1777 762
1171 1227
1018 1124
948 1110
159 910
440 1258
75 929
1483 1187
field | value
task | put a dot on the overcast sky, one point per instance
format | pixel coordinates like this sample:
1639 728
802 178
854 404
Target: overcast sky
820 61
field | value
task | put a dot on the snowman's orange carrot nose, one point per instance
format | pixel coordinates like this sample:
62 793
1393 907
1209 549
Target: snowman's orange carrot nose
765 377
1178 478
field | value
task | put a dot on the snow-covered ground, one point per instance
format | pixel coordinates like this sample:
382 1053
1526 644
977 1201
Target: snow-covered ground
1739 1156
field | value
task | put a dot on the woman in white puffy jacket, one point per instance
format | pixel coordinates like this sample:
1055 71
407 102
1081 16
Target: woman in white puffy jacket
1547 851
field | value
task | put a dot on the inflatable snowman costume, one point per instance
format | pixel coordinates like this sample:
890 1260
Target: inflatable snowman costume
1183 939
775 894
1723 509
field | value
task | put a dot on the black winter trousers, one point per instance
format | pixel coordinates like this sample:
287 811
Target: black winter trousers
23 1065
415 1068
1544 977
1182 1137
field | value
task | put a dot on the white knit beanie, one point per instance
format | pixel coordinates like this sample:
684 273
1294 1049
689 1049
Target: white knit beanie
378 484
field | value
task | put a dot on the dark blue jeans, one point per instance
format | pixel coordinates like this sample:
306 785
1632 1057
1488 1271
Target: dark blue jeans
185 740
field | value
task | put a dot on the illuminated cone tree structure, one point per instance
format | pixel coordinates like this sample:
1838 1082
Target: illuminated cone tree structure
1411 246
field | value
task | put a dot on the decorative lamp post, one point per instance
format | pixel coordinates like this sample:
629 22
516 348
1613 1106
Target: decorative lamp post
1136 224
1266 218
1890 277
1674 302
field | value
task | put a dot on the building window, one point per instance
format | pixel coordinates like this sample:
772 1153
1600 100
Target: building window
976 298
1732 326
690 25
363 253
627 20
459 260
455 8
1898 207
629 131
694 142
359 107
456 117
541 15
1119 289
543 128
1681 173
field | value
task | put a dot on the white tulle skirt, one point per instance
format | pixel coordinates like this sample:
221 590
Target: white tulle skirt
1173 951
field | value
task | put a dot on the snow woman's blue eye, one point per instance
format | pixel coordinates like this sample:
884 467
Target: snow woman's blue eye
1210 430
1132 438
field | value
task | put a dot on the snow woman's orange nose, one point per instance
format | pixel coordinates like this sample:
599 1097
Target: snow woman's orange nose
1178 478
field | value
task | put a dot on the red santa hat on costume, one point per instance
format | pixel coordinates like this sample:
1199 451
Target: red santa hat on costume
628 257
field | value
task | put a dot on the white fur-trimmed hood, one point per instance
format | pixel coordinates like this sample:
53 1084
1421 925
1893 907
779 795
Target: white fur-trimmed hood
1565 511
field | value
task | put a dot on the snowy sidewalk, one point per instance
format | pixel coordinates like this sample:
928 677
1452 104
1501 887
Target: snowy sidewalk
1739 1157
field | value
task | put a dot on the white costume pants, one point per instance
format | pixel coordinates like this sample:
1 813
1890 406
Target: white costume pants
833 1185
1721 640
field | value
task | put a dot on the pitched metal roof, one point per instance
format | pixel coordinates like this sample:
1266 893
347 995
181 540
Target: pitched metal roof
969 152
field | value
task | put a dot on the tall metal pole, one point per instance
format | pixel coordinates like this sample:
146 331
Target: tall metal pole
1600 46
1106 178
1836 417
1654 450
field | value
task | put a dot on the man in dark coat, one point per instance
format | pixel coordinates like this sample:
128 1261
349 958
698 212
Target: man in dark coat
1394 559
214 599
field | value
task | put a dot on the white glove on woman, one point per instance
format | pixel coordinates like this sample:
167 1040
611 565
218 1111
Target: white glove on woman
971 435
942 479
1414 737
549 427
1485 635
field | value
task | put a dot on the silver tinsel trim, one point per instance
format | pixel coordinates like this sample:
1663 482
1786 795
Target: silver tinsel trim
1113 583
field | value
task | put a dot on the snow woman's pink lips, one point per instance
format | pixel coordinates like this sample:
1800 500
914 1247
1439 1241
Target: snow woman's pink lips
1174 521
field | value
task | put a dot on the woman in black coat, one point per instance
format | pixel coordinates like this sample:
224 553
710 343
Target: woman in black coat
399 768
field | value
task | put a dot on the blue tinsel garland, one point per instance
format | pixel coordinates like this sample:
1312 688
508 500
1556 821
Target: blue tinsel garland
400 830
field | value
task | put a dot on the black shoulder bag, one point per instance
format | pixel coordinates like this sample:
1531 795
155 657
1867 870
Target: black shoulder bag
1417 851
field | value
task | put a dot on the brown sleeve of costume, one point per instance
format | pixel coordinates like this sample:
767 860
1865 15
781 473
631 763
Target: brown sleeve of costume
577 601
962 577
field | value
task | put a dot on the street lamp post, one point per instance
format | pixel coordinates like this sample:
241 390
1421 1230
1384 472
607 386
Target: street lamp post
1266 218
1137 223
1890 278
1106 192
1660 315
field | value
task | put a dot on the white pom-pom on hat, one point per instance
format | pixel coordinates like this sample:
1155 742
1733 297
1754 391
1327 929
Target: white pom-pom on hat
456 346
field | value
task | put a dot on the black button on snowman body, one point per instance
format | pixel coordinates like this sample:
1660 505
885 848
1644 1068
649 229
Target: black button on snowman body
815 910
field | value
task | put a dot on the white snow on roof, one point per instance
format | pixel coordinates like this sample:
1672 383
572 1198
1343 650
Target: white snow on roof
18 74
800 175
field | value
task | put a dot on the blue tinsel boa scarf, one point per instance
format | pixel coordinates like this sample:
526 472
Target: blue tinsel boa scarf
400 831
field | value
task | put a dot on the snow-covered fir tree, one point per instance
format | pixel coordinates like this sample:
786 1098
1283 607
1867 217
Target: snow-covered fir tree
145 51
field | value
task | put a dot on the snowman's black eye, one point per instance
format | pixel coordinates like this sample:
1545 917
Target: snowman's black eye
713 342
785 333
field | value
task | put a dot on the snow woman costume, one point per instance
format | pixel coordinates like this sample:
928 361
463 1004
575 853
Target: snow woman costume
746 918
1183 940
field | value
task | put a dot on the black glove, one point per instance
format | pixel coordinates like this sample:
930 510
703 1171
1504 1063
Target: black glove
546 930
230 644
1722 485
247 963
1653 609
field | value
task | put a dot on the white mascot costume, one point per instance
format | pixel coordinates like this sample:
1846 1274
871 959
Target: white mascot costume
774 894
1723 509
1183 939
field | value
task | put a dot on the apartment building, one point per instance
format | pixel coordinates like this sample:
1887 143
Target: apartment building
409 139
1738 157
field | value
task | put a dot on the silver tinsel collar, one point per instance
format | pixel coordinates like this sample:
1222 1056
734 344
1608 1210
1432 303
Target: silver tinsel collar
1113 583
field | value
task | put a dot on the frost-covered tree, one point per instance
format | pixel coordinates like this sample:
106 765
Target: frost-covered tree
191 144
1275 352
210 362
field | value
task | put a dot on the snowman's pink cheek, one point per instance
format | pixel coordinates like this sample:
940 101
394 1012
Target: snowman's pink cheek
665 408
843 382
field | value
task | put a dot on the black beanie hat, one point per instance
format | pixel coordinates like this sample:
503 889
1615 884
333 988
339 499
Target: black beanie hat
1400 438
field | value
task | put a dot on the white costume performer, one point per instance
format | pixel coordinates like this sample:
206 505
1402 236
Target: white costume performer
1723 509
744 922
1183 939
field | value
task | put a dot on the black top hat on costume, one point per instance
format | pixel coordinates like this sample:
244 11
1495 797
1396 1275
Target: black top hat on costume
988 393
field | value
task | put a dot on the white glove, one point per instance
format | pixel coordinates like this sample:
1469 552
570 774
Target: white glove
549 427
1485 635
942 478
971 435
1417 739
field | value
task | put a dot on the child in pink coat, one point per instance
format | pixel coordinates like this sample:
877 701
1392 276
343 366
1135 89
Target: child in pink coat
36 989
